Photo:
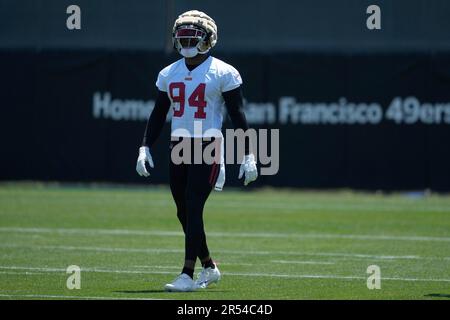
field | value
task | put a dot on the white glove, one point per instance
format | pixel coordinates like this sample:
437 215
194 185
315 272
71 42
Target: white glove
144 155
249 167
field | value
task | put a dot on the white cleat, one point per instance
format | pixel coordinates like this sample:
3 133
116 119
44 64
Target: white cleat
182 283
207 276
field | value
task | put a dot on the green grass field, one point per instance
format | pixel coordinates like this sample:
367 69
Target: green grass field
269 244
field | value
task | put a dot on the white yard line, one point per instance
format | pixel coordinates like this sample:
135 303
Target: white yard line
177 268
218 251
301 262
348 205
303 205
270 235
269 275
314 205
413 206
21 273
157 267
54 296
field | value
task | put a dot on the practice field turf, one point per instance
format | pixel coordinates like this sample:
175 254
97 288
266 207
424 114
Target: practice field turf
269 244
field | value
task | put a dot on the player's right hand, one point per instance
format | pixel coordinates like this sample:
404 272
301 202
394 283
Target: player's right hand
144 156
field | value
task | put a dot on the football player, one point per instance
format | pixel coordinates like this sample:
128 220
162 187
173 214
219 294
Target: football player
195 89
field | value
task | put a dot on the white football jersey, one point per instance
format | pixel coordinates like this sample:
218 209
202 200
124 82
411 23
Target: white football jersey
196 96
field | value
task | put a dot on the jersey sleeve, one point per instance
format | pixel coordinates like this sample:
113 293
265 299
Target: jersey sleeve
161 82
231 79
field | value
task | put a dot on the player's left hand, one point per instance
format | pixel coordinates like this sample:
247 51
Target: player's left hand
249 168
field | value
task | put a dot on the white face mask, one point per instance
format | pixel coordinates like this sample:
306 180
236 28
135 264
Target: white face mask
189 52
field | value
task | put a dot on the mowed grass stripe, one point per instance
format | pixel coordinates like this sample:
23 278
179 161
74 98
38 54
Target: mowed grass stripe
219 251
262 200
169 233
233 274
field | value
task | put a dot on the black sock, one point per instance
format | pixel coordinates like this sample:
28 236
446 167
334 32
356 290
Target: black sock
208 264
188 271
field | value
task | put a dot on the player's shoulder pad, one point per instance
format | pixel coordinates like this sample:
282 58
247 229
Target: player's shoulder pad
222 68
167 70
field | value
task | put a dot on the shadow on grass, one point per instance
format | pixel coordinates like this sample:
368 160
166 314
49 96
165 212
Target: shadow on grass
438 295
164 291
140 291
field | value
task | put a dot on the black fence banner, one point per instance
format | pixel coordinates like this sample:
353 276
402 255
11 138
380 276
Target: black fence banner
365 121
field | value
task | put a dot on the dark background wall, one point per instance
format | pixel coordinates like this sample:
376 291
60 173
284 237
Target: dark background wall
74 103
251 25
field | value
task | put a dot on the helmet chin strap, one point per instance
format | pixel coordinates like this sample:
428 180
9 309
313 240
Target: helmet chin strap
204 52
